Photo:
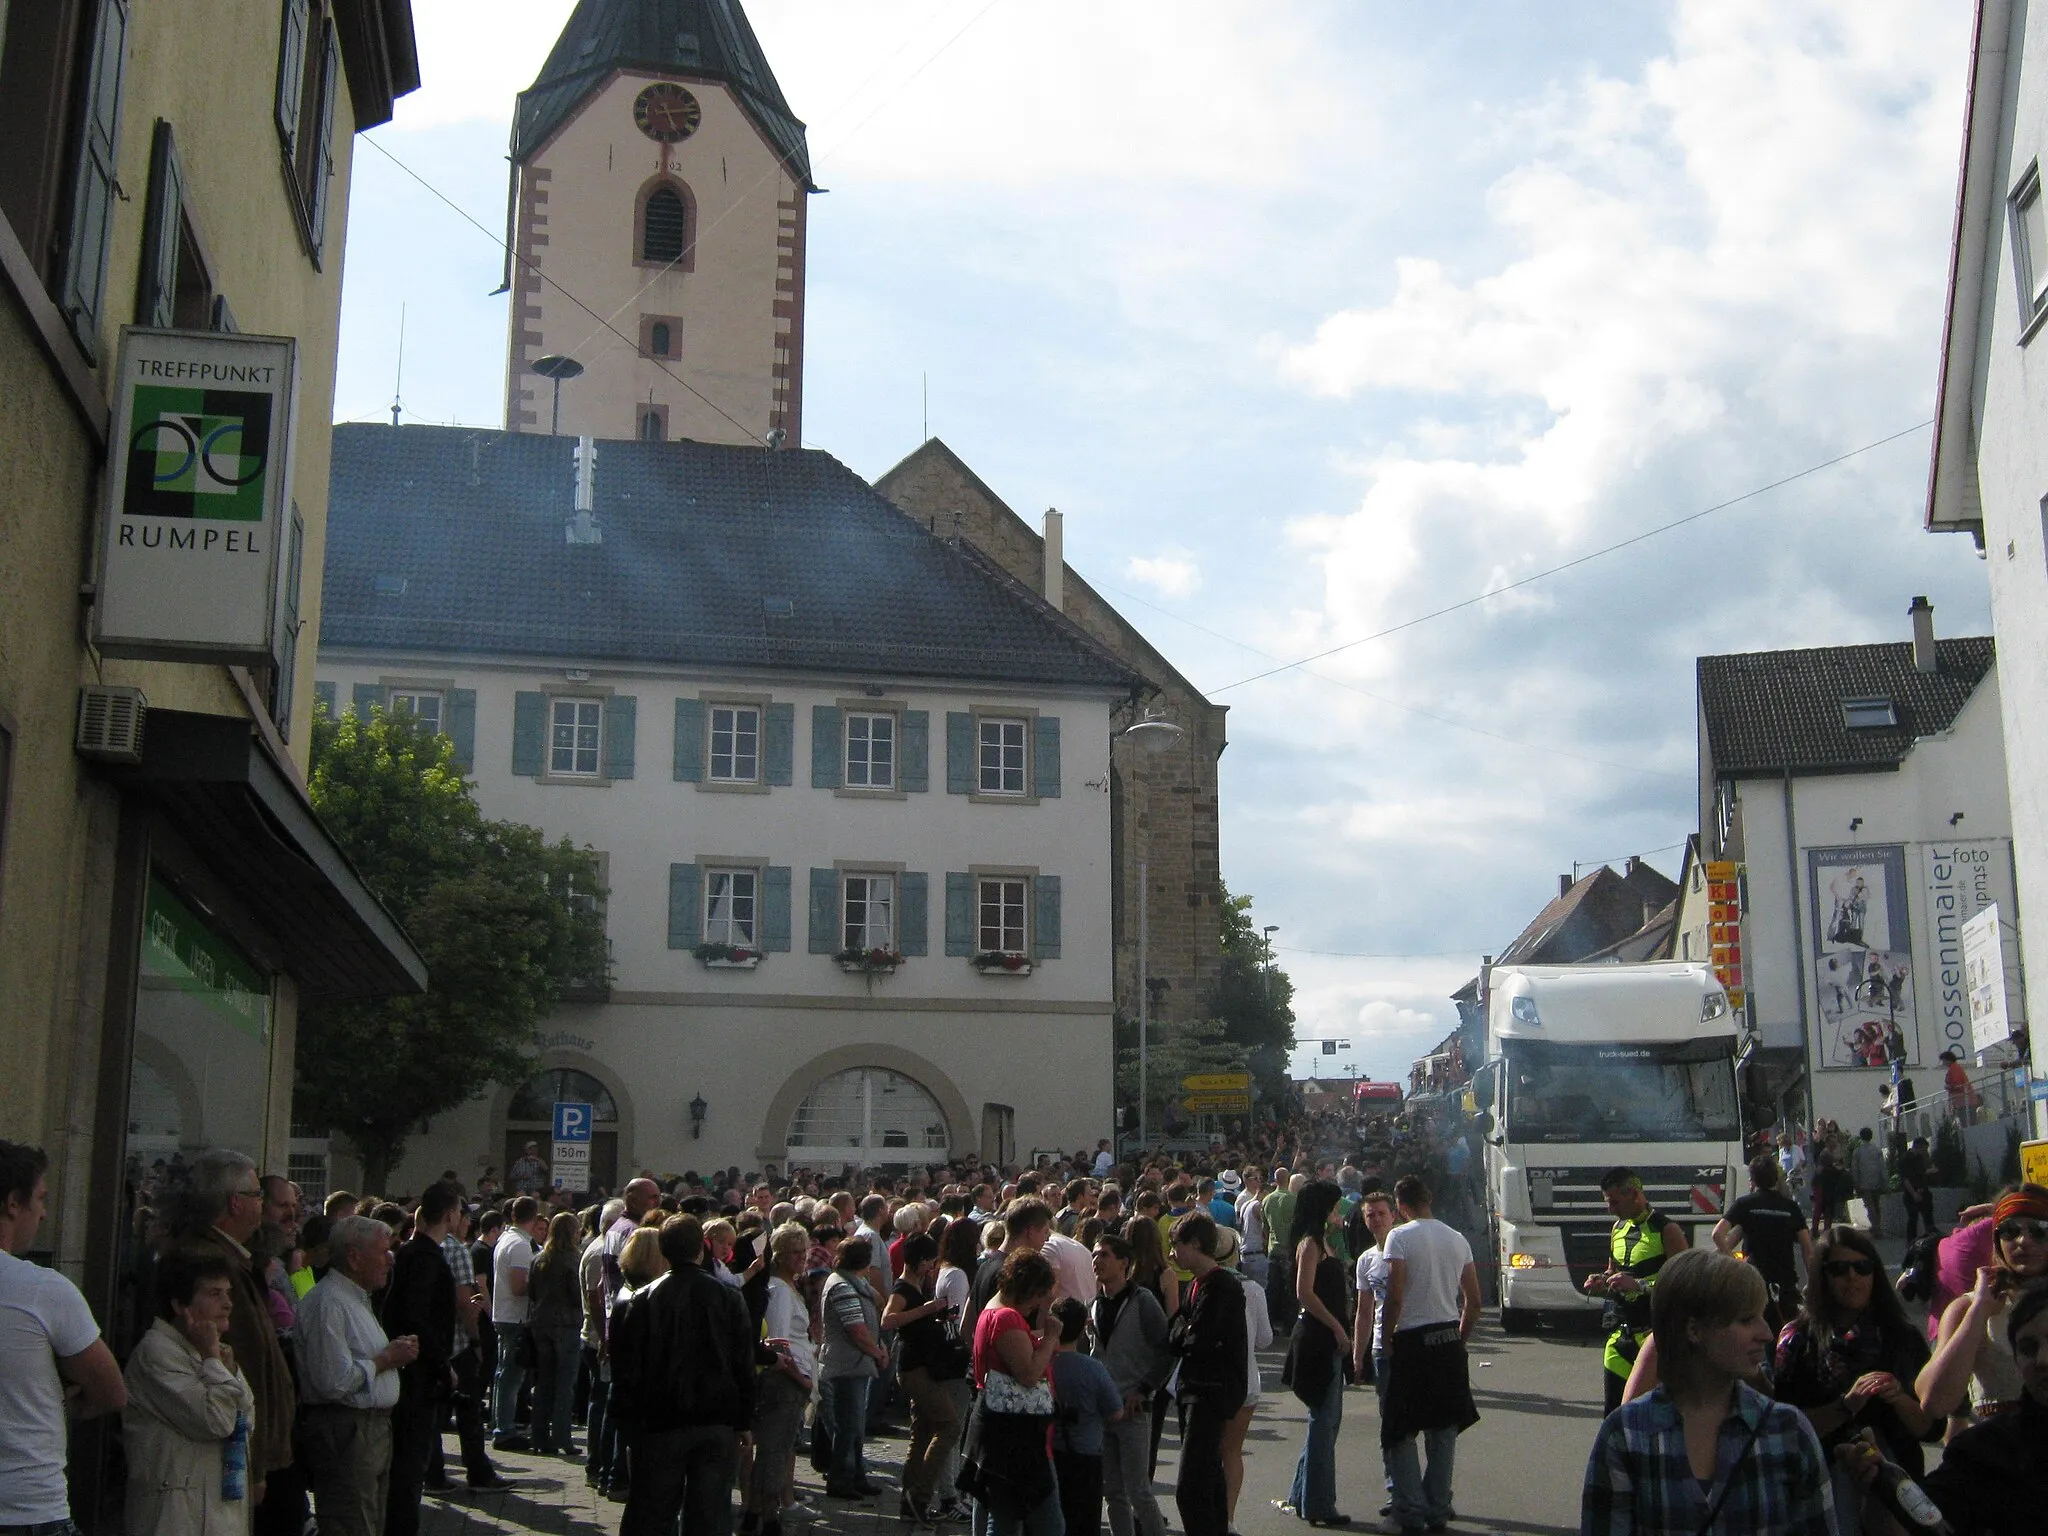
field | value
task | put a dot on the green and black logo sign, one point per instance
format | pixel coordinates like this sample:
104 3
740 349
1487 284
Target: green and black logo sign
198 453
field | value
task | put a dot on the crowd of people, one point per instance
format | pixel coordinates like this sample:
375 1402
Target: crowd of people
1042 1330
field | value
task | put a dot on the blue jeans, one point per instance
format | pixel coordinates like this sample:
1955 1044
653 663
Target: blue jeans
511 1377
843 1403
1314 1495
1422 1498
560 1352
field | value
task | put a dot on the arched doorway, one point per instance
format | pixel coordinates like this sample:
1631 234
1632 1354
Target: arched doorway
869 1116
531 1117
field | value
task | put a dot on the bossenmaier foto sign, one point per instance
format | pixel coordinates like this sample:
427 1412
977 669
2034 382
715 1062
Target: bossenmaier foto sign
198 497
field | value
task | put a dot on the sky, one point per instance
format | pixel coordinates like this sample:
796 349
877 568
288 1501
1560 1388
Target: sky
1315 318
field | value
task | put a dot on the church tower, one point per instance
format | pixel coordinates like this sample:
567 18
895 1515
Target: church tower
659 184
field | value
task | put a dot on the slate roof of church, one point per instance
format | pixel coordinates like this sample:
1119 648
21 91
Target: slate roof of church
1769 711
454 540
707 39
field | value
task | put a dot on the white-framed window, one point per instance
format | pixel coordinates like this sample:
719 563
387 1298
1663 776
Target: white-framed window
576 731
1003 755
1000 924
735 744
870 751
869 908
2028 218
731 902
423 705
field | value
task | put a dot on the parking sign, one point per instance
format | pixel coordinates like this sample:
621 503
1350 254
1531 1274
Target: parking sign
572 1121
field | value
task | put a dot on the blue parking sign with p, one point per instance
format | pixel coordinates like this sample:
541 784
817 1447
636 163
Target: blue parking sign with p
572 1122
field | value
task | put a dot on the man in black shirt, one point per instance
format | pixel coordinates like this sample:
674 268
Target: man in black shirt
1767 1225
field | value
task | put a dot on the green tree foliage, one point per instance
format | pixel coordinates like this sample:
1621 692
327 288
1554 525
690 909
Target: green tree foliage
505 921
1254 1001
1175 1051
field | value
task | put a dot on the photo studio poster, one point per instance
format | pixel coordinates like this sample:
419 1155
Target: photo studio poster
1863 956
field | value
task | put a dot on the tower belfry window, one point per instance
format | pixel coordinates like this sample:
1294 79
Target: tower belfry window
664 226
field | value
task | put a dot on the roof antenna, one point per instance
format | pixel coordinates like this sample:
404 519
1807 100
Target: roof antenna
398 384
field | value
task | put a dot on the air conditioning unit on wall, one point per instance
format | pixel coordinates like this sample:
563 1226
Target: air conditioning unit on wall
110 723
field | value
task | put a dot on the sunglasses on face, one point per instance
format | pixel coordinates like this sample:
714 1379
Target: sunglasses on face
2013 1231
1835 1269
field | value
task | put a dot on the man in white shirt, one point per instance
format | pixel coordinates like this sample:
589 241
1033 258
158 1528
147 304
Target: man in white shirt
1105 1160
511 1263
1791 1160
1368 1341
348 1380
1431 1305
48 1340
1251 1222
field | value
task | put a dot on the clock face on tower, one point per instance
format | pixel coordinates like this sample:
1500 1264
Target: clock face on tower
667 113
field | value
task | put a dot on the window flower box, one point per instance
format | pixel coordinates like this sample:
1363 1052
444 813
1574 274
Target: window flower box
992 962
868 962
727 957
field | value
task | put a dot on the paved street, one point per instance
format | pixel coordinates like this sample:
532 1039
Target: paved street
1518 1469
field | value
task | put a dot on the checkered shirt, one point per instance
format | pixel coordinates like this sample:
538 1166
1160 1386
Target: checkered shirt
1639 1481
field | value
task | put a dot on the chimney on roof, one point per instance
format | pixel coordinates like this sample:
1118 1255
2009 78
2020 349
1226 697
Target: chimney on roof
582 528
1054 582
1629 869
1922 615
1565 884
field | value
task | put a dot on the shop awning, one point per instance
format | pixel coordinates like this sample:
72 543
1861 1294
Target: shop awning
216 783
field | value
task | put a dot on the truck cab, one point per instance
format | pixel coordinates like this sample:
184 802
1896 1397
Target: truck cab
1590 1067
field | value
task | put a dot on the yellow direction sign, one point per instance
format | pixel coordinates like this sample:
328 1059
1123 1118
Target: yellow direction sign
1218 1082
1218 1103
2034 1161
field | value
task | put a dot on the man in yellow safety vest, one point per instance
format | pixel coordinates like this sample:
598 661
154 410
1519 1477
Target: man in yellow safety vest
1642 1239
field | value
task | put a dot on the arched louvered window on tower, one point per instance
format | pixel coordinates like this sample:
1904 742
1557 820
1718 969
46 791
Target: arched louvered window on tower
664 227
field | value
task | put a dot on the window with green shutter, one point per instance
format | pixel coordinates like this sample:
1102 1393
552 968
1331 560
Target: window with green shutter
689 744
462 727
778 745
912 917
915 753
620 711
529 734
89 233
826 745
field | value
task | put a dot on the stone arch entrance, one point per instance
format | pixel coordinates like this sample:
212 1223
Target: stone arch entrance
874 1106
526 1113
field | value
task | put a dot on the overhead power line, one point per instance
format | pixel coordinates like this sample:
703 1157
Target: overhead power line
1575 562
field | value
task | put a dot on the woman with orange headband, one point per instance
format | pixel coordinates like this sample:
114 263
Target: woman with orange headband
1969 1359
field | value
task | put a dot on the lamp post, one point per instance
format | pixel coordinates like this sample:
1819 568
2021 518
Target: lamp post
1154 735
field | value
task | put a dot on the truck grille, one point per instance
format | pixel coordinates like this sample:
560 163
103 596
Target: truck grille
1685 1194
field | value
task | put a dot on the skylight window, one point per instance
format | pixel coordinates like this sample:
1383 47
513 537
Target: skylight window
1869 714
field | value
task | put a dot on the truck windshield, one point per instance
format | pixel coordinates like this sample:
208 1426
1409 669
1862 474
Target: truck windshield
1677 1091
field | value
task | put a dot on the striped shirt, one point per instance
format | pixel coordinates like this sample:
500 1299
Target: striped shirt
1640 1482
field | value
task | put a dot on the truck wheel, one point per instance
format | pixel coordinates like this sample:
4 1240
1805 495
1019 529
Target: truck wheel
1517 1320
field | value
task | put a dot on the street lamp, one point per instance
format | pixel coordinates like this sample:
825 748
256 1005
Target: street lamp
1153 734
1269 930
698 1110
560 369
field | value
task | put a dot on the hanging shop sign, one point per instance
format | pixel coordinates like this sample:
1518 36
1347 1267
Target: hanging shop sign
198 497
1984 977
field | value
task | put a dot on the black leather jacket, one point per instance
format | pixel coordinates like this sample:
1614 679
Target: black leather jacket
1210 1333
682 1356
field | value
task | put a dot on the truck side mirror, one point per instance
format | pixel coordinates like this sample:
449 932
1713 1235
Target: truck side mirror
1485 1123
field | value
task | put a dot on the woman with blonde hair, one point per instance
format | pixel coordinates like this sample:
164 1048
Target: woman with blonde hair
554 1290
1705 1453
782 1390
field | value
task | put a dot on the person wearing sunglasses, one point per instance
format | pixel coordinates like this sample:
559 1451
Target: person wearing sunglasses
1848 1362
1972 1374
1993 1478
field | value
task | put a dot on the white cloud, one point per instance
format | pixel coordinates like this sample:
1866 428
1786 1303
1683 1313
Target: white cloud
1169 575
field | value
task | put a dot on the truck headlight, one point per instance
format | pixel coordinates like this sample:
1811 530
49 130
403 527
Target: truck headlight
1523 1261
1524 1010
1713 1006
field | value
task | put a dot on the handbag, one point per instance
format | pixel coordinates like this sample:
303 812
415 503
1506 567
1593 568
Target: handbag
1003 1456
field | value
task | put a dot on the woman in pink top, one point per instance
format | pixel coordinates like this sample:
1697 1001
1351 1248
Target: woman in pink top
1007 1457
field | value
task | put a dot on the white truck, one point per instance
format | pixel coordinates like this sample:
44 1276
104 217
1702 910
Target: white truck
1590 1067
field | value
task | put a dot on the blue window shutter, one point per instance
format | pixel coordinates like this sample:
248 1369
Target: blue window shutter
828 746
323 698
621 716
1045 917
689 740
959 753
368 696
529 735
291 74
775 908
163 232
959 913
913 923
914 754
824 911
84 289
778 745
323 159
1045 759
462 726
685 891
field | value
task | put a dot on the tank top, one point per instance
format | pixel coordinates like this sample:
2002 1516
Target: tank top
1995 1378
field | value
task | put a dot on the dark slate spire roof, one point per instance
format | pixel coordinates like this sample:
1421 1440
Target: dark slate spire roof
704 39
453 539
1770 711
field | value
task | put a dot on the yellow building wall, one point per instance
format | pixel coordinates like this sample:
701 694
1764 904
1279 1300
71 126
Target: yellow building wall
56 866
575 236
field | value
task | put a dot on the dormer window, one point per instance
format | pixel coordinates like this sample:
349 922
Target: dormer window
1869 714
